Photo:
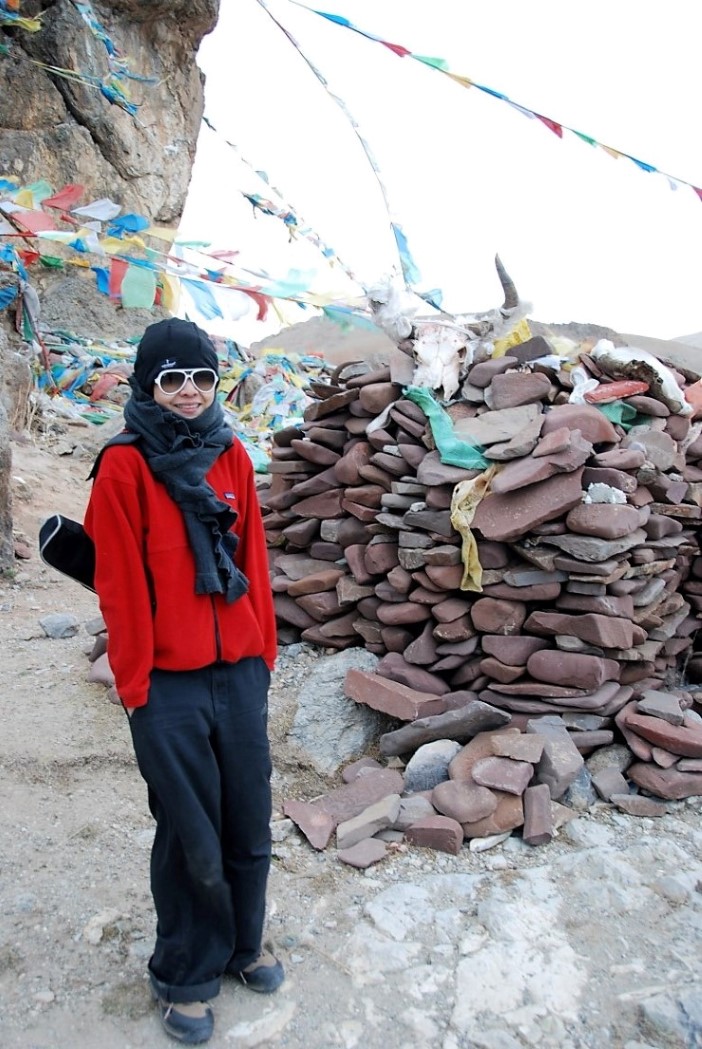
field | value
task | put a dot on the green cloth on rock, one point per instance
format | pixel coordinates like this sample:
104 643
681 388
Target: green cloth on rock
453 450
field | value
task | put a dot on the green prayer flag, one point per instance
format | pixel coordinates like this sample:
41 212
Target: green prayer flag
27 329
620 414
138 288
437 63
453 450
586 138
40 190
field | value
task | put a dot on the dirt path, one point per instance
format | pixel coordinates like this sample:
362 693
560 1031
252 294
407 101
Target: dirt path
590 942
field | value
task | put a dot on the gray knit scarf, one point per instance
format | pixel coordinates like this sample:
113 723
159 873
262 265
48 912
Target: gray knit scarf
179 453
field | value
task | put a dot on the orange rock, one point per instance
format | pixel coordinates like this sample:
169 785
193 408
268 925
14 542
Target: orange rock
614 391
693 396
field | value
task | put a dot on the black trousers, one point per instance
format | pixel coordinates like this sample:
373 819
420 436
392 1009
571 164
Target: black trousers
201 744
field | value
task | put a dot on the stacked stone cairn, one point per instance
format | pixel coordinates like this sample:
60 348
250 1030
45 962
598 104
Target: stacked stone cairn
575 644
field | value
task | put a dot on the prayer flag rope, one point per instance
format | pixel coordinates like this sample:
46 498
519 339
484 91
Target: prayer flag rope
555 126
125 275
110 86
409 270
283 211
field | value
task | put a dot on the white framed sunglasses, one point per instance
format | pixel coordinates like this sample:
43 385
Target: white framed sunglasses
172 380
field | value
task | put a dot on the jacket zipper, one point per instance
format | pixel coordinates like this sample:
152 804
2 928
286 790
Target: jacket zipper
218 639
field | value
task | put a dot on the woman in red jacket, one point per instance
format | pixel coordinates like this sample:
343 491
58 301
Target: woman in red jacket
182 579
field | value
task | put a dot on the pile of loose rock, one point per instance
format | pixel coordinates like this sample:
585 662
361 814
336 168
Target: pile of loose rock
571 592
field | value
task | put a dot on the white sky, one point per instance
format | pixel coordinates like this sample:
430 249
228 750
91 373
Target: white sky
585 237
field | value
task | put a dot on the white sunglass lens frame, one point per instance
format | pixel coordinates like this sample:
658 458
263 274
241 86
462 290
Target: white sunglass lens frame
188 374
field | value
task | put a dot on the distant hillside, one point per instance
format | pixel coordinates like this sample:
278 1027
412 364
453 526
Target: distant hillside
692 340
577 331
683 355
338 345
329 340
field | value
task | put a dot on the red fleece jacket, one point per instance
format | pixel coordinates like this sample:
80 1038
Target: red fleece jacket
142 549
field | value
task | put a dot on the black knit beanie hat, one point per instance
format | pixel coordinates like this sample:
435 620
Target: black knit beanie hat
172 343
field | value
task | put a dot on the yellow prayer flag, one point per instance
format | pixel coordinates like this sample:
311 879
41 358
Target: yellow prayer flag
518 334
464 81
112 245
170 293
162 233
464 502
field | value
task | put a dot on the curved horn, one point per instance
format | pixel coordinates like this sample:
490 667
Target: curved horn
511 296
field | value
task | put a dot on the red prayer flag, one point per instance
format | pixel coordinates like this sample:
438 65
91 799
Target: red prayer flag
118 268
66 198
34 221
66 216
698 191
398 49
260 300
28 255
226 254
551 125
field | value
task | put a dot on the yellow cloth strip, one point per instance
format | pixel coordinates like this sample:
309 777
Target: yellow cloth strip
464 502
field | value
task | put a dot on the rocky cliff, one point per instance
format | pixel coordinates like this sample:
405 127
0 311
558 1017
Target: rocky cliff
66 128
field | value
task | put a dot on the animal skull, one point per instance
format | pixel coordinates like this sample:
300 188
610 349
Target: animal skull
443 346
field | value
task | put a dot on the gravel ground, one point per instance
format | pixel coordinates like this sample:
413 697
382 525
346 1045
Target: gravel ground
592 941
